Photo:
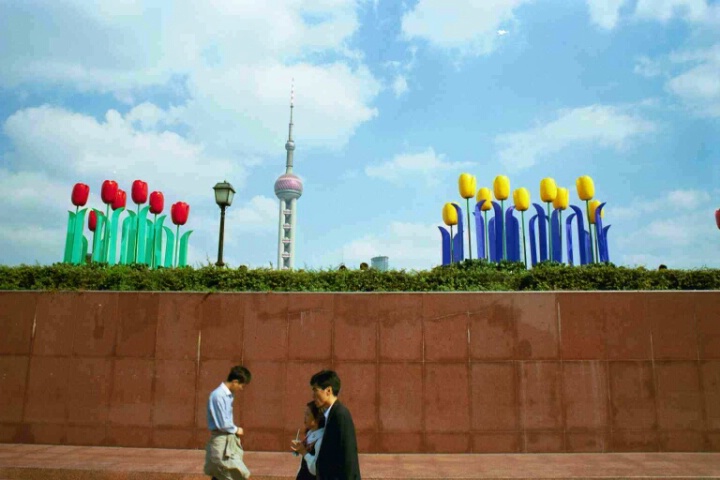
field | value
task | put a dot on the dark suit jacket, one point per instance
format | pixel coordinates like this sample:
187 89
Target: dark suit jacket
338 457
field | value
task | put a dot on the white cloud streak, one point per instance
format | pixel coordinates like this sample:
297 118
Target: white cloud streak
604 125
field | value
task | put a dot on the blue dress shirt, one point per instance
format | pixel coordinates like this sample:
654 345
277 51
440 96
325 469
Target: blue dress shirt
220 410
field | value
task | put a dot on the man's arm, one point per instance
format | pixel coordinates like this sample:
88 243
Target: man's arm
348 444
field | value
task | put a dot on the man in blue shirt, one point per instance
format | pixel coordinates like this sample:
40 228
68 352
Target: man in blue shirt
224 453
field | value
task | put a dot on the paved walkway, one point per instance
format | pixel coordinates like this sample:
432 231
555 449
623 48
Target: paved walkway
114 463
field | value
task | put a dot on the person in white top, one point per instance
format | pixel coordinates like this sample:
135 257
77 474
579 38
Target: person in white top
309 446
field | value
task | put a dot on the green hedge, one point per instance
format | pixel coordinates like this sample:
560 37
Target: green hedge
476 275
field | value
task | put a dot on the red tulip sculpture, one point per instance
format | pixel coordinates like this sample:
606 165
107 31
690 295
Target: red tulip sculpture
75 242
179 213
717 217
157 204
140 197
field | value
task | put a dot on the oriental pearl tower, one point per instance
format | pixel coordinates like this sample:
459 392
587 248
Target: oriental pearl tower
288 188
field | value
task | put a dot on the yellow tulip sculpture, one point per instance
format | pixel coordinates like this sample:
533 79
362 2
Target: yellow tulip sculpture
450 218
467 184
501 188
521 198
561 202
548 192
586 191
485 194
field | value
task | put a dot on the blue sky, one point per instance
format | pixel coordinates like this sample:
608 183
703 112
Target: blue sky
393 100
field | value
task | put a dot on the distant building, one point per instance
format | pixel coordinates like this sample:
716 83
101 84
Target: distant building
379 263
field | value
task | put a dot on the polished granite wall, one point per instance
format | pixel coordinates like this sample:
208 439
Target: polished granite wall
431 372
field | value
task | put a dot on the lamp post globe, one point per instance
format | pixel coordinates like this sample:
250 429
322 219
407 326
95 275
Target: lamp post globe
224 193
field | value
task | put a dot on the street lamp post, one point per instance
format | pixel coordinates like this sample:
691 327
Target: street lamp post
223 197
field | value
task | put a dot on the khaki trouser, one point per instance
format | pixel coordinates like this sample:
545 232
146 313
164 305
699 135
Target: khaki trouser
224 458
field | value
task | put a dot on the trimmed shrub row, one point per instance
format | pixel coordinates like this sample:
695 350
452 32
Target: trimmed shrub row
475 275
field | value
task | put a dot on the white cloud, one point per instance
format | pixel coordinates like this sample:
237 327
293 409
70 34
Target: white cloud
400 85
605 13
427 164
502 32
600 124
234 76
260 214
699 86
471 28
647 68
675 201
690 10
408 245
677 229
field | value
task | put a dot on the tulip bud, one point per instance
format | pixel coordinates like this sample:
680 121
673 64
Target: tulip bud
717 217
485 194
449 214
139 192
80 194
157 202
92 220
562 200
501 187
548 189
594 204
467 184
120 199
179 213
521 198
109 191
585 187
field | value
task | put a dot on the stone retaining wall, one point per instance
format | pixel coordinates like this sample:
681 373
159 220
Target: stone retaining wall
429 372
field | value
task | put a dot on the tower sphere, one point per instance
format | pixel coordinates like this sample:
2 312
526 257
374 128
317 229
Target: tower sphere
288 186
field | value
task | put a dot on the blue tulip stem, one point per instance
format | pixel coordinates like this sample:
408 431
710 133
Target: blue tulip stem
590 223
451 245
502 208
487 244
522 217
467 207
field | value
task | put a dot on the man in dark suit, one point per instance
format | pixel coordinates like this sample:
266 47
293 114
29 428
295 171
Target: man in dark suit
338 456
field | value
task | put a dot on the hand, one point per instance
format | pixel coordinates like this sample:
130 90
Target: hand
299 447
239 431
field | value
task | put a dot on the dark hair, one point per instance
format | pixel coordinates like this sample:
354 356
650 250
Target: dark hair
317 414
239 373
326 378
363 266
662 267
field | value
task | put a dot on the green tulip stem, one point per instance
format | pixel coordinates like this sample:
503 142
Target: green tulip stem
592 249
77 209
467 207
550 249
106 240
451 245
137 235
502 213
597 245
560 233
487 245
177 242
522 217
152 257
